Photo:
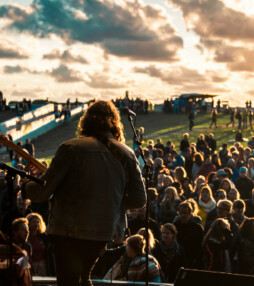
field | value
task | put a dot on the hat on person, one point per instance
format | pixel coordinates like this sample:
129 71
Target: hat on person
243 170
221 172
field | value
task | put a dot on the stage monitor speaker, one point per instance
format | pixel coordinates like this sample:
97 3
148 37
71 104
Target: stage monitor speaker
190 277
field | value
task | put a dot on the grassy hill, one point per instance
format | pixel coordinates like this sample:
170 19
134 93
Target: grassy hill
166 126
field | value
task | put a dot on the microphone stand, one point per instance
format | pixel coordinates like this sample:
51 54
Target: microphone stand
148 178
10 177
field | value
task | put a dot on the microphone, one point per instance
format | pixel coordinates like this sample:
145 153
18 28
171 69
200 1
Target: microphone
129 112
21 173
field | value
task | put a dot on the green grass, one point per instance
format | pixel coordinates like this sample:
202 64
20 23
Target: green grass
156 124
172 127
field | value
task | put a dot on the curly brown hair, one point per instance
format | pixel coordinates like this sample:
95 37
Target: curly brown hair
101 116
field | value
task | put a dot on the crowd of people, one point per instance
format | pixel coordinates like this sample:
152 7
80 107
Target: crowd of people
244 117
185 105
201 215
138 105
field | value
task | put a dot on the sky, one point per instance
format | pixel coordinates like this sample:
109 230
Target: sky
85 49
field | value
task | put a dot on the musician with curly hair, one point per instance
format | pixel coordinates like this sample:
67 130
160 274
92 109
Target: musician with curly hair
91 181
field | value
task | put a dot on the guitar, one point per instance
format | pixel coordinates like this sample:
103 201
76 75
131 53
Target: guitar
30 159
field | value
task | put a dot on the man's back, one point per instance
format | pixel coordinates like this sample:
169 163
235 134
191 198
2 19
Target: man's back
87 183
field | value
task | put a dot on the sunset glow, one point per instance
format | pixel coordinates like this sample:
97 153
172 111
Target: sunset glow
154 48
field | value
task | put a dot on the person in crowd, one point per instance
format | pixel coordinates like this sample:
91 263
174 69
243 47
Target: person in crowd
220 195
135 249
184 144
251 143
194 215
250 205
207 167
158 166
239 136
250 118
229 173
29 147
226 185
153 195
232 117
246 247
180 174
20 210
93 173
169 205
212 142
233 195
214 119
217 246
238 116
238 211
224 210
206 202
238 158
190 236
202 146
20 233
197 163
224 155
247 155
244 184
152 242
169 253
250 165
38 240
188 191
140 221
198 184
221 174
114 250
216 161
159 144
212 177
245 118
179 160
213 214
188 161
232 165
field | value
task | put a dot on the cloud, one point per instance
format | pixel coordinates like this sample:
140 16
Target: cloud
238 59
10 51
98 80
18 69
28 93
64 74
251 92
186 80
65 56
13 69
212 18
121 28
222 32
173 76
